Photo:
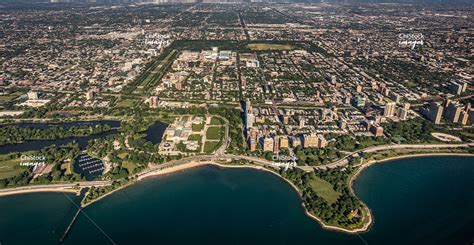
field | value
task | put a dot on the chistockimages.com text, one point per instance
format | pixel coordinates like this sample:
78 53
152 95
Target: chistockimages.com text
29 161
410 39
284 161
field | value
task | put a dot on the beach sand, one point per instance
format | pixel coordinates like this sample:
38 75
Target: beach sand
48 189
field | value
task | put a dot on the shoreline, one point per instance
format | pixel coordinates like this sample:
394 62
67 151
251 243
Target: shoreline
46 189
191 165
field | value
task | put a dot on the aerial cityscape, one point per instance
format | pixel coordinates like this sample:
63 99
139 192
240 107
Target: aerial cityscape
266 118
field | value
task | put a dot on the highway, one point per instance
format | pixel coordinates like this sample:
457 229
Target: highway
343 161
51 187
220 155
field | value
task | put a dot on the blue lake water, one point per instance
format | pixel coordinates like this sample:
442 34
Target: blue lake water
425 200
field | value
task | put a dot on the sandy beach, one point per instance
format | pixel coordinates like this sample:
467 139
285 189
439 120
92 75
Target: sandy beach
30 190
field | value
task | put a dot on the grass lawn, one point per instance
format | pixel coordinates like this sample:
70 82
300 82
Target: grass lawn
154 74
196 137
129 166
139 90
10 167
198 127
269 46
8 97
324 189
127 103
211 146
216 121
5 98
214 133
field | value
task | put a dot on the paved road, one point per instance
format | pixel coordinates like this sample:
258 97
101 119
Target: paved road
343 161
225 144
33 188
226 157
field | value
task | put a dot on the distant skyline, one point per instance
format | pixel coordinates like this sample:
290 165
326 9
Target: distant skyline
469 2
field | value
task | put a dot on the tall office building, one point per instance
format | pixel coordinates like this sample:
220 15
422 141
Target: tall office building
453 112
249 116
435 112
153 101
249 119
253 134
467 107
377 131
89 94
470 116
295 141
310 141
322 142
446 103
342 124
406 106
402 114
248 107
32 95
389 110
463 118
276 146
268 144
395 97
302 122
457 87
283 142
253 145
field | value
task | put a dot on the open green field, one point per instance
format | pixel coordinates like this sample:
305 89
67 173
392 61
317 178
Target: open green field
269 46
129 166
214 133
10 167
216 121
195 137
211 146
154 73
127 103
5 98
198 127
8 97
324 189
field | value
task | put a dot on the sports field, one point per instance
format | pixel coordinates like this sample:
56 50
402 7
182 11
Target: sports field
269 46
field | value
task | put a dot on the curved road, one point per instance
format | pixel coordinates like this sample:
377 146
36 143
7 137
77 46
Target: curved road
220 155
51 187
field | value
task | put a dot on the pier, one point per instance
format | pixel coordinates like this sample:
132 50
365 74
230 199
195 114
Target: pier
70 225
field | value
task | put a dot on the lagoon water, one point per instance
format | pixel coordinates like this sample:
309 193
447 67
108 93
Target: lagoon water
427 200
34 145
154 134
